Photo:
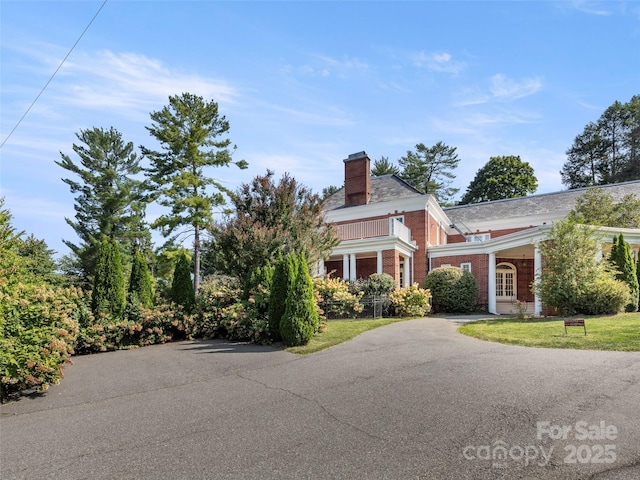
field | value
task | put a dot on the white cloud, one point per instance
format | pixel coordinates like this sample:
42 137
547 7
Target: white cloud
591 7
438 62
325 66
130 83
509 89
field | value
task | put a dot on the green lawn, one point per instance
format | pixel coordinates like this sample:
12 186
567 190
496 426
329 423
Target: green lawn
619 332
339 331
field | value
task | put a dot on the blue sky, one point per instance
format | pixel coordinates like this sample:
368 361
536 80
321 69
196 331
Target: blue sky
304 84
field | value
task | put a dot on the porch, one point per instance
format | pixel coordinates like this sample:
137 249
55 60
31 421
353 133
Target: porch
372 246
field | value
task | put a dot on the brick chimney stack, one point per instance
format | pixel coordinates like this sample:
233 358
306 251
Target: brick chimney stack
357 179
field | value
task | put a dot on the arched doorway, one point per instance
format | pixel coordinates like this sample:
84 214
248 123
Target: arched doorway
506 286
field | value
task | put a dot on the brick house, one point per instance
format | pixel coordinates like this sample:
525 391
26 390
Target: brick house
386 225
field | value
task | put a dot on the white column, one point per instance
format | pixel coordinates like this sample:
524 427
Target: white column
352 268
537 269
320 272
345 267
405 274
491 291
379 264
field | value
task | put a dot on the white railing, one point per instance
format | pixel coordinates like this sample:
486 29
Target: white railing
374 229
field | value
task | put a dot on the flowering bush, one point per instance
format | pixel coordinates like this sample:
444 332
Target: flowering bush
334 298
39 329
411 301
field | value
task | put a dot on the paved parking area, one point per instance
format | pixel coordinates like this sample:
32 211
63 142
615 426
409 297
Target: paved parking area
413 400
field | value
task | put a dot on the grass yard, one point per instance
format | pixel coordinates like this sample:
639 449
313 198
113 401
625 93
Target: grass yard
339 331
619 332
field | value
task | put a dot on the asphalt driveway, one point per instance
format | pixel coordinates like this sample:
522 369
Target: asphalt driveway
414 400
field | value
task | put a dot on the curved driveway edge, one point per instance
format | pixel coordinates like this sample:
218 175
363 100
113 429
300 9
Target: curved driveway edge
413 400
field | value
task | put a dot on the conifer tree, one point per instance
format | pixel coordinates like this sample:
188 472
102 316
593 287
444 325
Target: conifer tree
278 296
638 275
107 197
191 134
109 293
140 288
623 261
182 291
300 319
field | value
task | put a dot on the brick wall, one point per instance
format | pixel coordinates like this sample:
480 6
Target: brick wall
479 269
357 181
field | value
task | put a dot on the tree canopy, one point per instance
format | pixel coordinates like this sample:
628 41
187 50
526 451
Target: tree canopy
608 150
107 200
192 136
501 177
430 169
597 207
269 218
383 166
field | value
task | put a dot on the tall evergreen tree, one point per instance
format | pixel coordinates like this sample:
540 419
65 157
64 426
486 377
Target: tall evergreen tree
430 169
182 291
300 319
140 287
109 295
622 260
607 150
383 166
638 274
189 131
278 296
107 197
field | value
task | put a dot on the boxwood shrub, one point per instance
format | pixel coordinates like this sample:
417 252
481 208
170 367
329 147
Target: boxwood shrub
453 290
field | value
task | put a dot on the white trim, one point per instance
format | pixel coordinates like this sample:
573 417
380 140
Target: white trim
394 207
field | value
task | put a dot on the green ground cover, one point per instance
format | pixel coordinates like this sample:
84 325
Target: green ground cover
618 332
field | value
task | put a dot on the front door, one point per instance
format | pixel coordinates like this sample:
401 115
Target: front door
506 284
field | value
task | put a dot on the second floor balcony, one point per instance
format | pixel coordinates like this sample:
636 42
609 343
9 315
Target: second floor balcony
385 227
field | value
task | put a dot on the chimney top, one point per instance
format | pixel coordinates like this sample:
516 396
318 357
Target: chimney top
355 156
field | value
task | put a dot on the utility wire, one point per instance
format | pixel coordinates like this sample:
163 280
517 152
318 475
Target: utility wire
54 74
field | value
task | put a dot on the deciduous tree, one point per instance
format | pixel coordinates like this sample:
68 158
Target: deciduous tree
597 207
500 178
269 218
574 280
192 137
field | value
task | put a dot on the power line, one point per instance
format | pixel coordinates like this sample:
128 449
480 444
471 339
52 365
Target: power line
52 76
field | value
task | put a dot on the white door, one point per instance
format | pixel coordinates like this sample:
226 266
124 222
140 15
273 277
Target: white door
506 284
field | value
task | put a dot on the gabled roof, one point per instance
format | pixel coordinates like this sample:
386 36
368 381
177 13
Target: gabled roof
531 210
383 189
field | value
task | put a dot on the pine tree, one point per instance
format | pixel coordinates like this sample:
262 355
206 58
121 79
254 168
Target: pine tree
182 291
189 131
300 319
140 288
107 201
109 293
278 296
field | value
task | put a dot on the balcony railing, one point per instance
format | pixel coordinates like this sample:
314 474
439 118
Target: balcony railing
374 229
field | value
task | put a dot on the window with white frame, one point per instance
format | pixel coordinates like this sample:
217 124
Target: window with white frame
477 237
466 266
